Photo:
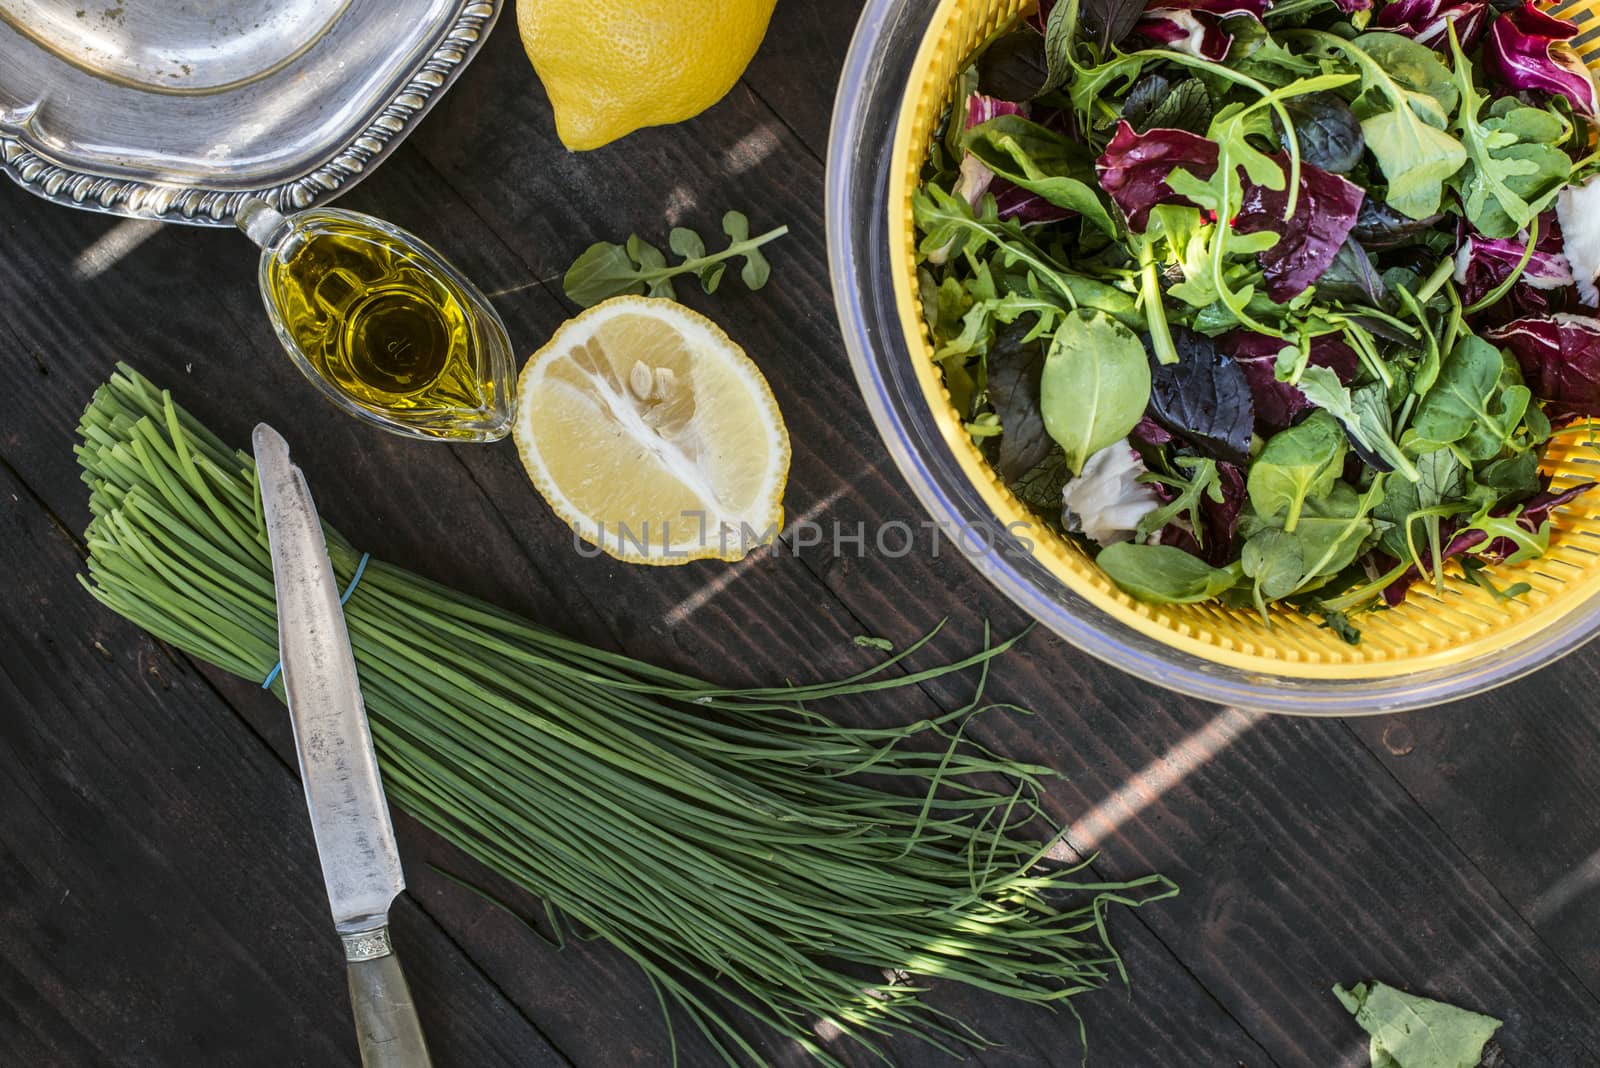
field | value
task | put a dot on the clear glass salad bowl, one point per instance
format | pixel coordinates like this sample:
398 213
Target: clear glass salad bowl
1438 646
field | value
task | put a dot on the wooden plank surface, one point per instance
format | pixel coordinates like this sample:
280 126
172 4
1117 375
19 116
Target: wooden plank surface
1450 850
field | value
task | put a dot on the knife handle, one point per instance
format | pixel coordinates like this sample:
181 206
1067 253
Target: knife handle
386 1018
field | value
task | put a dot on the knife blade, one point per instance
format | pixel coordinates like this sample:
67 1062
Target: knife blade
344 792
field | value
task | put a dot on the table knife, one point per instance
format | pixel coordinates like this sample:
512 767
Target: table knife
349 817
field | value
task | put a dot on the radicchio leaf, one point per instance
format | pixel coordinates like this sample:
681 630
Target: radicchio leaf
1578 209
1527 49
1560 360
1203 398
1194 27
1323 217
1483 263
1427 21
1534 513
1279 404
1134 168
1107 500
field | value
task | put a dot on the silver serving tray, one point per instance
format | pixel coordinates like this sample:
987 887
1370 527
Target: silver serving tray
179 109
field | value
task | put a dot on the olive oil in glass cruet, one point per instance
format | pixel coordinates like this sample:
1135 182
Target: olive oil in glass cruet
382 324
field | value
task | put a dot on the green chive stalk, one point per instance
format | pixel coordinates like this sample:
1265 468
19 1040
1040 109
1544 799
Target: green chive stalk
741 848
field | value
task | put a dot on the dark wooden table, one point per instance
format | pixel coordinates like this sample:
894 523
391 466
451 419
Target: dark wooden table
160 901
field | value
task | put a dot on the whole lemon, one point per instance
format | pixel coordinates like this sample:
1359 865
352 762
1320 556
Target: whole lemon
614 66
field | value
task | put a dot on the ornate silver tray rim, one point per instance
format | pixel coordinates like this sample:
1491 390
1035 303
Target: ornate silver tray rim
349 161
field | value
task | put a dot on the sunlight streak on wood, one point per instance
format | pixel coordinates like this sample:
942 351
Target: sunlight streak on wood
112 246
1145 787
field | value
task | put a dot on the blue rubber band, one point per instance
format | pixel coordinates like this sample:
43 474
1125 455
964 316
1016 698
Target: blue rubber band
361 567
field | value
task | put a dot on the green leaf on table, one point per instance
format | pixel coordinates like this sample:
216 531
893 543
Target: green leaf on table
1408 1031
606 269
1043 162
1298 463
1163 574
1095 386
867 641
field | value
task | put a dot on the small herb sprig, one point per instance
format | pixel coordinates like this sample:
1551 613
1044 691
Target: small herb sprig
608 270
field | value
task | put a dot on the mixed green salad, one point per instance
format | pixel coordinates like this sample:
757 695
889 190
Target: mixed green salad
1272 303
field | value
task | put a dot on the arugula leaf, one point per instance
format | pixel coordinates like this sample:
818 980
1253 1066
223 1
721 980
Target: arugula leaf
1296 464
1043 162
1515 169
1189 500
1405 105
1095 385
607 270
1162 574
1364 414
1408 1031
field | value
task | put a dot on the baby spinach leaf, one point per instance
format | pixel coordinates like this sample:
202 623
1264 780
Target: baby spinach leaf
1015 366
1275 560
1467 400
1408 1031
1204 398
1162 574
1296 464
1040 161
1095 385
1441 477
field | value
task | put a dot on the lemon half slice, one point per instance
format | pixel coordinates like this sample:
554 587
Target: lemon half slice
653 435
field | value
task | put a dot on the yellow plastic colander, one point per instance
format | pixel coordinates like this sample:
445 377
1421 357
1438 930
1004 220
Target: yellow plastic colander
1431 633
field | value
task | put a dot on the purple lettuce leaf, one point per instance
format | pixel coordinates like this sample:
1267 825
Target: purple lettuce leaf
1527 49
1203 398
1534 512
1134 168
1560 359
1307 243
1279 404
1483 263
1427 21
1151 434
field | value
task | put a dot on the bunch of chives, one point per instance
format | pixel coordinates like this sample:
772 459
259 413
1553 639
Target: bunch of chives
741 848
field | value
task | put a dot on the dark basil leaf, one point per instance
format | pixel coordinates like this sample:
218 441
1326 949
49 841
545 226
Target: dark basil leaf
1204 398
1107 22
1013 67
1328 132
1186 107
1040 487
1378 226
1014 370
1352 278
1145 96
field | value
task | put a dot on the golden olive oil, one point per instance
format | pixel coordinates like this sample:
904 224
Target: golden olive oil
384 326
